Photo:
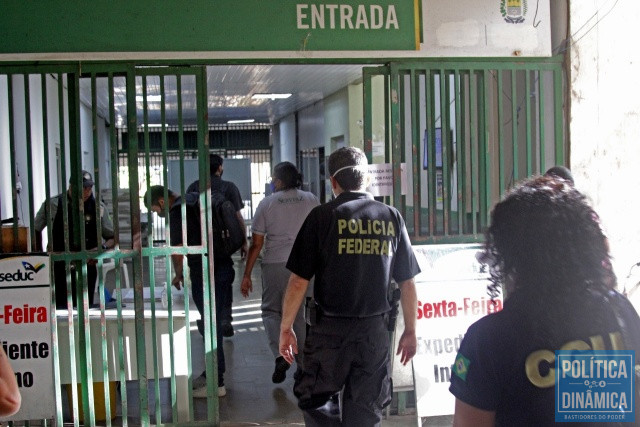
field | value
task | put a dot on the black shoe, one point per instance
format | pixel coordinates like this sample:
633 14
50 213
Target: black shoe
280 372
227 330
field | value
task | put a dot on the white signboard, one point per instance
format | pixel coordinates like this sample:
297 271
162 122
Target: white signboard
25 331
452 294
382 179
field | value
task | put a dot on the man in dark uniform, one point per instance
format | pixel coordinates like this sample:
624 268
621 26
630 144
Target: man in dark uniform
224 274
155 196
91 210
354 246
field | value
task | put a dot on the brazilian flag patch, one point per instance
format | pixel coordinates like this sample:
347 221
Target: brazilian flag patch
461 367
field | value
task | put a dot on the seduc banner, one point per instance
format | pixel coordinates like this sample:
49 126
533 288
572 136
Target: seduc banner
25 331
452 294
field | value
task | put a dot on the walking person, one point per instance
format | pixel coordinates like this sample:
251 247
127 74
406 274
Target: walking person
353 246
546 248
224 273
155 202
275 226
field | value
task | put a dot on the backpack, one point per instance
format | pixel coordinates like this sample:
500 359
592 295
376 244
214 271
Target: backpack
228 235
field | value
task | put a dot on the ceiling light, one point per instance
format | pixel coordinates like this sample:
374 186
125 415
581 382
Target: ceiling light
231 122
271 96
150 98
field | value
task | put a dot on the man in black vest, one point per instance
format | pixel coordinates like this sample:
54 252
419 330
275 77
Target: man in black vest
91 211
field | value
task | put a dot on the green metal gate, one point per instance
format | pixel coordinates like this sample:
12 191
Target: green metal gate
61 119
459 133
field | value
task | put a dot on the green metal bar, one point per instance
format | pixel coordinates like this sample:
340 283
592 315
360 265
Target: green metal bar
77 206
213 409
514 128
53 320
431 152
473 155
459 153
501 155
541 120
444 136
163 130
183 213
150 259
416 158
137 245
12 156
367 113
484 157
29 175
103 321
396 143
402 206
116 231
527 110
387 124
558 116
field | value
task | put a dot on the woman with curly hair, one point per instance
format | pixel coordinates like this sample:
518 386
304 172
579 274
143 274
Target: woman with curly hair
547 251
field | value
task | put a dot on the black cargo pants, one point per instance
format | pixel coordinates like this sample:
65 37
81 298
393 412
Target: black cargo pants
348 355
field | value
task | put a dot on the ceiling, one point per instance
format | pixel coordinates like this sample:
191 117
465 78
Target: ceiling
230 89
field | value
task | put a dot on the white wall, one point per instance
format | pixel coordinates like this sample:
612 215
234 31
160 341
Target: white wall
288 139
605 118
336 117
311 126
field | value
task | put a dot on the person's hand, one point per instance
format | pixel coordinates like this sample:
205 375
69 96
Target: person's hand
246 287
244 250
407 346
288 345
177 281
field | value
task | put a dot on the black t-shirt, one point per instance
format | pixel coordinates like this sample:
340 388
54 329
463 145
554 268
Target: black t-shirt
504 359
231 193
192 221
353 246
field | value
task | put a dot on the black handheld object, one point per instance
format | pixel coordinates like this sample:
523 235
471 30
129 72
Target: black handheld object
311 312
393 314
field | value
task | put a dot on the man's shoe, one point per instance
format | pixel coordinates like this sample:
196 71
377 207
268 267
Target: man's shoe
222 391
202 392
227 330
200 382
280 372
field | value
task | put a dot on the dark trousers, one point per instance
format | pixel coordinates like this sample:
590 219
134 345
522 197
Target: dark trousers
223 279
346 377
60 281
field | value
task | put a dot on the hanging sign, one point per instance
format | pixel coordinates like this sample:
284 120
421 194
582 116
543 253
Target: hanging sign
207 25
382 179
25 331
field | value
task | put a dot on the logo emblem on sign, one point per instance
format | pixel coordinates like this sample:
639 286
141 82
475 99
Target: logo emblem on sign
28 267
513 11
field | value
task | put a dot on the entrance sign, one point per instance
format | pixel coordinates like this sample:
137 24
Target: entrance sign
25 331
452 294
207 25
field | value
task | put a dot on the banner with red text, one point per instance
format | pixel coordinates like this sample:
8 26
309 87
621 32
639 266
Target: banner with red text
452 294
25 331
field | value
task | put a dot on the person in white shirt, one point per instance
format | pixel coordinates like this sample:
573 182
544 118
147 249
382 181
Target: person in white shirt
275 226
